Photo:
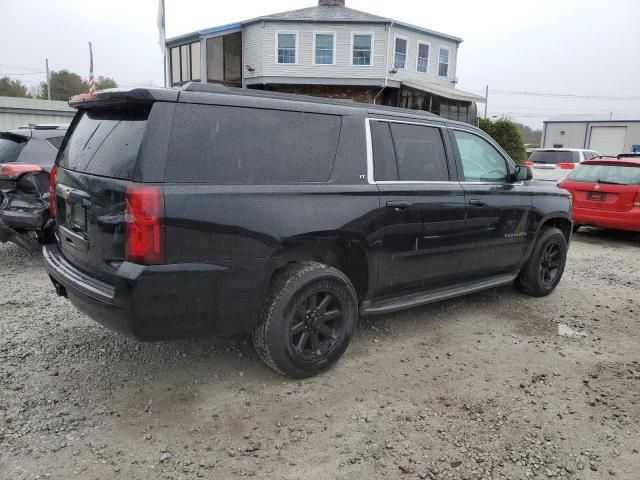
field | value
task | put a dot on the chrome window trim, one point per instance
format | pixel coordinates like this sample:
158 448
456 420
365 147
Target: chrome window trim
370 173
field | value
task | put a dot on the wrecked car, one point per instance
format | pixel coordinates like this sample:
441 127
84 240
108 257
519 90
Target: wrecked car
27 155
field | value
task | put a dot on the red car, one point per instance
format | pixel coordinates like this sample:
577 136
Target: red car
606 192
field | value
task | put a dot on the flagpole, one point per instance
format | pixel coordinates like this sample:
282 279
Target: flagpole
92 80
162 38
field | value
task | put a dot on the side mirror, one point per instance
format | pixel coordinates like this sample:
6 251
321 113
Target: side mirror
523 173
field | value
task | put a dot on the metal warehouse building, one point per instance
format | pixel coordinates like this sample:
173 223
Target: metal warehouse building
608 134
15 112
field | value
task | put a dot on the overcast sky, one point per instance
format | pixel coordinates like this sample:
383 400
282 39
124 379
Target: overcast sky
579 47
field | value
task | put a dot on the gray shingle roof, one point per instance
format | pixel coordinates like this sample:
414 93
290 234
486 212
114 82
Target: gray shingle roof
322 14
337 15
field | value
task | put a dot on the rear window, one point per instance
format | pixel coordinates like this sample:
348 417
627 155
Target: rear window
554 156
106 142
616 174
233 145
10 148
56 142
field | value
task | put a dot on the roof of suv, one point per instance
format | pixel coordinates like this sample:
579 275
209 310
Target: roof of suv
144 95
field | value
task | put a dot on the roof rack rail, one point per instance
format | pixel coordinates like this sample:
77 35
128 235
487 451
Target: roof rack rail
628 155
205 87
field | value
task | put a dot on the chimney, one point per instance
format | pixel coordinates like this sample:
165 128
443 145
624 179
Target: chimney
331 3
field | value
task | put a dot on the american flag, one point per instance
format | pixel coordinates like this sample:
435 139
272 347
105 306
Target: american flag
92 80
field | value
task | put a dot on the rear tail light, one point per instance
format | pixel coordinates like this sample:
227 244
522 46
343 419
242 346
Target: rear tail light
529 164
52 191
11 171
566 166
144 232
636 201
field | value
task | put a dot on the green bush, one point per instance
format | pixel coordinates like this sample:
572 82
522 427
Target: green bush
506 133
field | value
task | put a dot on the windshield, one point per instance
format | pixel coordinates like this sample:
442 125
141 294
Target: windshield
10 148
617 174
554 156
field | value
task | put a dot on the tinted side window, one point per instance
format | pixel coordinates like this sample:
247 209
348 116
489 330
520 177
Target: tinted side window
481 162
56 141
10 148
420 153
233 145
384 158
106 142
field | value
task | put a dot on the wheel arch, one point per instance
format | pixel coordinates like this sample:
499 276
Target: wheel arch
345 254
561 222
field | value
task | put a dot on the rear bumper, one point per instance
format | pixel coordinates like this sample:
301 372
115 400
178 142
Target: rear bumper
629 220
163 302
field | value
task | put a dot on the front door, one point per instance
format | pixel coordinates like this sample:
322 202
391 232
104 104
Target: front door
498 209
422 218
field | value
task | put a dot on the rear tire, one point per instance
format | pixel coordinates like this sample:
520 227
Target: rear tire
543 271
308 320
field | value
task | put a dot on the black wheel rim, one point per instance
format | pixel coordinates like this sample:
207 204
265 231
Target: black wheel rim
550 263
316 325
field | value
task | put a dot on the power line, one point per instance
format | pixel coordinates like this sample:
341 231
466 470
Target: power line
559 95
14 74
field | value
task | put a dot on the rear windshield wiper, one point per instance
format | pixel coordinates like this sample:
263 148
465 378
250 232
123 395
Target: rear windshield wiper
609 183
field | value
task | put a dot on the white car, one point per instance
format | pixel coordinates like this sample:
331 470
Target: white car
553 164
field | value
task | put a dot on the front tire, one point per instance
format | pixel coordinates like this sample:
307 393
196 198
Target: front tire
308 320
543 271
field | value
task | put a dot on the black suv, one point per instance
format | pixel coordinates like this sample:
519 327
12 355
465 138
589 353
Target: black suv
218 210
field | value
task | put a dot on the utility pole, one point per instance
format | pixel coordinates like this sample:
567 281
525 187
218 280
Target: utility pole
486 101
46 61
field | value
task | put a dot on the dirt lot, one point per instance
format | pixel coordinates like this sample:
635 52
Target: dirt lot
479 387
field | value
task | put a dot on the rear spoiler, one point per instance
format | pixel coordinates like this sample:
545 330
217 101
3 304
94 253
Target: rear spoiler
115 97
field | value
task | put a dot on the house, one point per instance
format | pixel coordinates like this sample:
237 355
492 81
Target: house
332 51
607 134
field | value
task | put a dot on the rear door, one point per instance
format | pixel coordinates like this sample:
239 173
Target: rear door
498 210
96 165
423 224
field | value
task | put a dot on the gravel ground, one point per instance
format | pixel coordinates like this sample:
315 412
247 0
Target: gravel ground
478 387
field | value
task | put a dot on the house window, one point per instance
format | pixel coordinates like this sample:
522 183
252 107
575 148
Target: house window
362 48
287 47
443 62
400 58
224 59
324 48
185 63
423 57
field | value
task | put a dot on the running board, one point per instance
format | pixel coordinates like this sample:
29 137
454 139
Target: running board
396 304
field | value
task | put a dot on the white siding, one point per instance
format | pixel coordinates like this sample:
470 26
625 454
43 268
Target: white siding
252 50
9 121
578 134
264 35
411 73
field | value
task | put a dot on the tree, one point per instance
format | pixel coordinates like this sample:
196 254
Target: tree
529 135
105 82
506 133
12 88
64 84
